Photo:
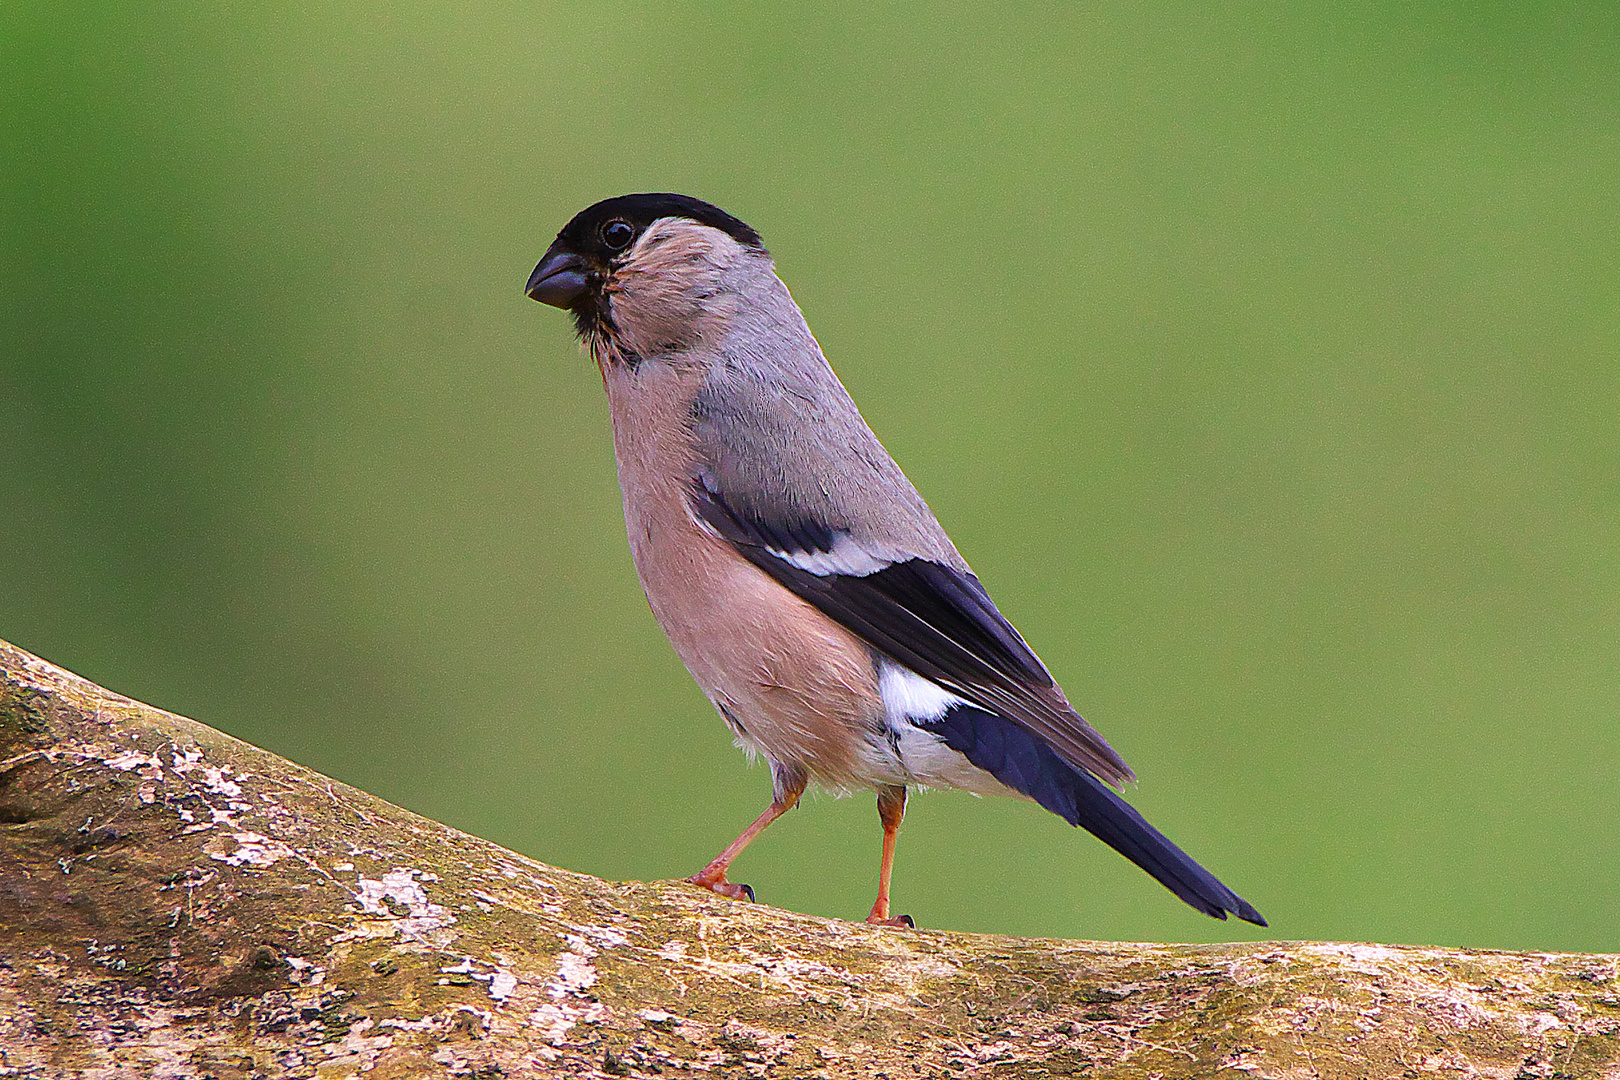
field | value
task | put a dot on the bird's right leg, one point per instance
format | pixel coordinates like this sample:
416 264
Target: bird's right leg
789 785
891 808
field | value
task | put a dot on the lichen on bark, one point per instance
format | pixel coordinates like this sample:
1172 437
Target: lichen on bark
176 903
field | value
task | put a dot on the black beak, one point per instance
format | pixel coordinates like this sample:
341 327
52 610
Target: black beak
559 280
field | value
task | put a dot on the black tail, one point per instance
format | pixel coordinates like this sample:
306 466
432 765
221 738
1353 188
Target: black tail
1024 763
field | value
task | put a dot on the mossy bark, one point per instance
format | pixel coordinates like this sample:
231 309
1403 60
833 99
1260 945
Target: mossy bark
176 903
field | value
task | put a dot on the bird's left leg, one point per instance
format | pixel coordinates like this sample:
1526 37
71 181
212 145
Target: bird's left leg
789 785
891 803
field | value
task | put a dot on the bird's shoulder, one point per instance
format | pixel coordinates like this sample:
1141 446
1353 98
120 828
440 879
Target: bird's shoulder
786 446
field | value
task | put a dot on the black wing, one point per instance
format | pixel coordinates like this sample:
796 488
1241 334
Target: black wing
931 618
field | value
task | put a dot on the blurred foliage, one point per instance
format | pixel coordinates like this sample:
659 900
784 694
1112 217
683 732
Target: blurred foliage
1264 360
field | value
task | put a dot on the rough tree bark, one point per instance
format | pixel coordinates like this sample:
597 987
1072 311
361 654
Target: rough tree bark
176 903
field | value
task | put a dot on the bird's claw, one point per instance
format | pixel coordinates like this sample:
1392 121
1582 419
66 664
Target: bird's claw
899 920
718 884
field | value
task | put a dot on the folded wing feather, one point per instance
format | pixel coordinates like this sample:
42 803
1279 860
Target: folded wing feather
934 619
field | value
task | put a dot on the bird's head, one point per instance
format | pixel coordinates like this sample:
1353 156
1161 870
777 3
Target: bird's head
642 274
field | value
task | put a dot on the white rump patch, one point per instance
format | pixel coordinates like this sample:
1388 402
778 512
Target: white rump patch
846 557
925 759
909 696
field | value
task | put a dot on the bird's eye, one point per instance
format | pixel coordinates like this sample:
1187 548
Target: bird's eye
617 234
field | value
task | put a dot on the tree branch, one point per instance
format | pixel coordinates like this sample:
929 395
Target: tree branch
174 902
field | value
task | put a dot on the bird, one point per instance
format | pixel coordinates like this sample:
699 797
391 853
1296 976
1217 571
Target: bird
796 571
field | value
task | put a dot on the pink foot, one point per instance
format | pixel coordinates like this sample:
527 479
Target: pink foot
899 920
717 883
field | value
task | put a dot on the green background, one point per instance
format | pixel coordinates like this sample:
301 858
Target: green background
1263 359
